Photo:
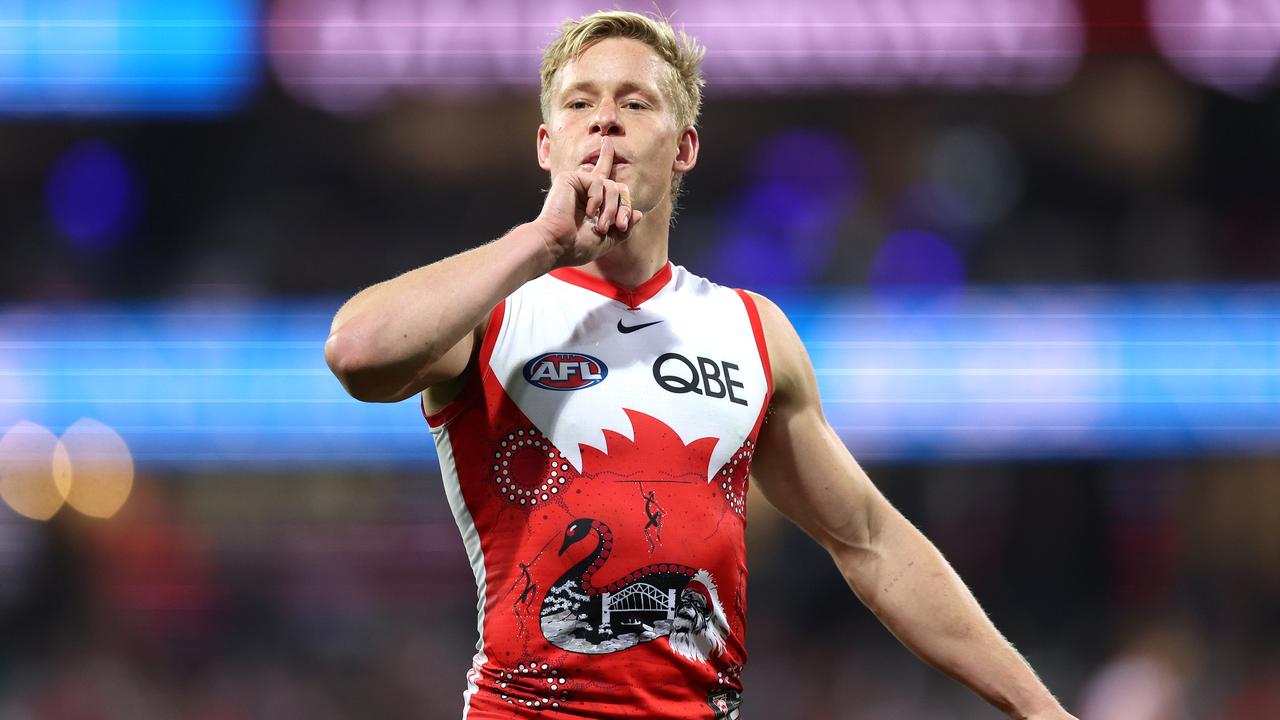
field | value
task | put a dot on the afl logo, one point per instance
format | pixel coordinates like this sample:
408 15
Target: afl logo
565 371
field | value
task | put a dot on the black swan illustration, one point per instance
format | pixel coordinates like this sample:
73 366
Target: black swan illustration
668 600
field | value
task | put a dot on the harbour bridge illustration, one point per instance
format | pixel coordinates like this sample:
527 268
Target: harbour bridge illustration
639 597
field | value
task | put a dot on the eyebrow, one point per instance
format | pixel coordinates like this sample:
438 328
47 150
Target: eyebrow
627 86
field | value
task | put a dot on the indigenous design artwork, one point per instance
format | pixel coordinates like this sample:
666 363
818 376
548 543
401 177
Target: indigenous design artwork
668 600
521 458
652 519
533 685
732 478
602 504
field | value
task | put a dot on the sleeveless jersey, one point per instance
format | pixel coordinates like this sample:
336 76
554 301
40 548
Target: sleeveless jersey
596 463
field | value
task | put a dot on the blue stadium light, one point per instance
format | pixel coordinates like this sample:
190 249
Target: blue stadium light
916 257
94 197
127 57
992 373
781 230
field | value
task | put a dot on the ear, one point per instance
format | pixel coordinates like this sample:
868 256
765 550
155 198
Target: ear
686 151
544 148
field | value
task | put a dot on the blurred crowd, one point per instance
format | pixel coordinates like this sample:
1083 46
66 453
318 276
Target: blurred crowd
1143 590
1127 174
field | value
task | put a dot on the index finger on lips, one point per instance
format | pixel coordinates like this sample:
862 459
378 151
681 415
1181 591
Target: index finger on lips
604 163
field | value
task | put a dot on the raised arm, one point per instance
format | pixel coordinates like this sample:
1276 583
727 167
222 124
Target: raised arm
416 331
804 469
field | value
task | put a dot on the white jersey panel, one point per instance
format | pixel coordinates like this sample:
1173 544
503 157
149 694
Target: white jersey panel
475 555
687 356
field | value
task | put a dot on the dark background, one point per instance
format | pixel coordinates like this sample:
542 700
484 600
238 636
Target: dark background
1140 588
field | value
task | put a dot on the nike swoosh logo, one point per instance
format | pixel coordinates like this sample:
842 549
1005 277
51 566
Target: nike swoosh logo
624 329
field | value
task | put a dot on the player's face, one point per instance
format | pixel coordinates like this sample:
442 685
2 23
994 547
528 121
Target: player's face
616 88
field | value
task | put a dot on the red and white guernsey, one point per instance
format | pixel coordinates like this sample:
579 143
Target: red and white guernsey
596 465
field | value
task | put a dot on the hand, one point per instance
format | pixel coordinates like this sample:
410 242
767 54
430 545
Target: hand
586 214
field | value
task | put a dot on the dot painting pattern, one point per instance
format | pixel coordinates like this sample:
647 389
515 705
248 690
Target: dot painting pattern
529 446
537 686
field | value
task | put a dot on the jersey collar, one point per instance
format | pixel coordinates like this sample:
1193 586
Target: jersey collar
632 297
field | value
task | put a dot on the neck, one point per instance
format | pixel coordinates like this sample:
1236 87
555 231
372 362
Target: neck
641 256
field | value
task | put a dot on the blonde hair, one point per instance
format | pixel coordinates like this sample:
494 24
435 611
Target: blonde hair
680 52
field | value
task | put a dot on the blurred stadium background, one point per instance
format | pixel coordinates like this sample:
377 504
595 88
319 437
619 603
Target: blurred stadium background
1033 246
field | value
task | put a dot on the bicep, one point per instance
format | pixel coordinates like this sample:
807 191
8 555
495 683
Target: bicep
378 364
805 471
405 377
801 465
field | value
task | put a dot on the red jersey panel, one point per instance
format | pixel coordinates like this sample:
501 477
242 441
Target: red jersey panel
597 465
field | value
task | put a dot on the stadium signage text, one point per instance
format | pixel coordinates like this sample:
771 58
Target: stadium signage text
351 55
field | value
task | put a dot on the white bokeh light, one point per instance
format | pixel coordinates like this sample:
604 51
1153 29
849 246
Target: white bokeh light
351 56
1231 45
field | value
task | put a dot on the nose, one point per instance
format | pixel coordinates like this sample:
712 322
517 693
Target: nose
605 121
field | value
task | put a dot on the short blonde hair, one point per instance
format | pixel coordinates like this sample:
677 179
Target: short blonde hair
681 53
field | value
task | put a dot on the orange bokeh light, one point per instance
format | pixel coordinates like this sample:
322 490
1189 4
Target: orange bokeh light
94 468
28 462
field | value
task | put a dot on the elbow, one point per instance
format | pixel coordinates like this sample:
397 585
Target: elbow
856 546
853 559
342 356
361 377
857 536
344 361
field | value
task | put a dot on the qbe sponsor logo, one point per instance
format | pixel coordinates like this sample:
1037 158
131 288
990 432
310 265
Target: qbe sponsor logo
565 371
678 374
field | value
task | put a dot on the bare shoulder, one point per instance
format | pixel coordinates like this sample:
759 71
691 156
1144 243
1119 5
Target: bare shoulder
792 371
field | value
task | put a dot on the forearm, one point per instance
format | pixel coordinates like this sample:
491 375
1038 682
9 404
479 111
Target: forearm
398 327
807 472
915 592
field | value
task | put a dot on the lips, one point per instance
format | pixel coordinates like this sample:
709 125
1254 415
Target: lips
618 158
